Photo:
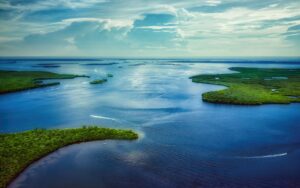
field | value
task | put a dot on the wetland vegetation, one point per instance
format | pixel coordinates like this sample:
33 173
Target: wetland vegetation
253 86
18 150
12 81
98 81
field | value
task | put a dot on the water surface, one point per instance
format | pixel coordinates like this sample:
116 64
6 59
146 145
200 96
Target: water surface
184 142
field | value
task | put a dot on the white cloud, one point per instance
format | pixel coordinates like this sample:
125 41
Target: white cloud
213 2
47 4
254 23
8 39
107 23
158 27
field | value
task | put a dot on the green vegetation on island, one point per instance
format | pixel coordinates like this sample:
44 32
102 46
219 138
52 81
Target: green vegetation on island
12 81
253 86
19 150
110 75
99 81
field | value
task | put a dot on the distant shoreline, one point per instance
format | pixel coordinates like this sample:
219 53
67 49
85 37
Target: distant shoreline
14 81
294 60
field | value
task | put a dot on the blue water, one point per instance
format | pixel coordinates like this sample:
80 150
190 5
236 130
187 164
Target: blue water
183 142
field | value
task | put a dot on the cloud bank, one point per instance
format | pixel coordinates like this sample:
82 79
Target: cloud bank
136 28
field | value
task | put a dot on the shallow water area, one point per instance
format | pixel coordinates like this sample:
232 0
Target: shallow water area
183 142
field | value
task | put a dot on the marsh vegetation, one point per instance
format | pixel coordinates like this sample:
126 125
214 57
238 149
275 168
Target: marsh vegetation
98 81
253 86
12 81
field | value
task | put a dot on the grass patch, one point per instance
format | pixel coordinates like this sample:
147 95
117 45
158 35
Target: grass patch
253 86
18 150
99 81
12 81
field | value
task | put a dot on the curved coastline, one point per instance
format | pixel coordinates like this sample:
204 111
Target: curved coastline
249 86
55 139
14 81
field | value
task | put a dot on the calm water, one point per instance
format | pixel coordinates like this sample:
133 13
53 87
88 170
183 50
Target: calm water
184 142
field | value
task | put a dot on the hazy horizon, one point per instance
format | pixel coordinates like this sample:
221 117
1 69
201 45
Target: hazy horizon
262 58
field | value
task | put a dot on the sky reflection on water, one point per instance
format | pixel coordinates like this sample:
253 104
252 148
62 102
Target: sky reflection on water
184 142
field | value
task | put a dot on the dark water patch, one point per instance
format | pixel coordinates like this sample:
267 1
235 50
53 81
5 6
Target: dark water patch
169 64
137 64
69 63
99 64
46 65
8 62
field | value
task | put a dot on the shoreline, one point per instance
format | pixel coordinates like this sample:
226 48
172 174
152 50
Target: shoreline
21 150
253 86
15 81
40 158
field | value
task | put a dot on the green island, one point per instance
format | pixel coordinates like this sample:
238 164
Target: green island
19 150
253 86
99 81
12 81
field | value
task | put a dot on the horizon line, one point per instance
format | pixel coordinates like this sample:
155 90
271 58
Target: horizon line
151 57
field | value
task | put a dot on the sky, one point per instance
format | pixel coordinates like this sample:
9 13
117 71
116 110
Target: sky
144 28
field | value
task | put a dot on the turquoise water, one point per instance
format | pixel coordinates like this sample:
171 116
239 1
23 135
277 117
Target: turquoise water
184 142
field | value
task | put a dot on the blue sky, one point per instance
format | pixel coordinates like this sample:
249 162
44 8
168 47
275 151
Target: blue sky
142 28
